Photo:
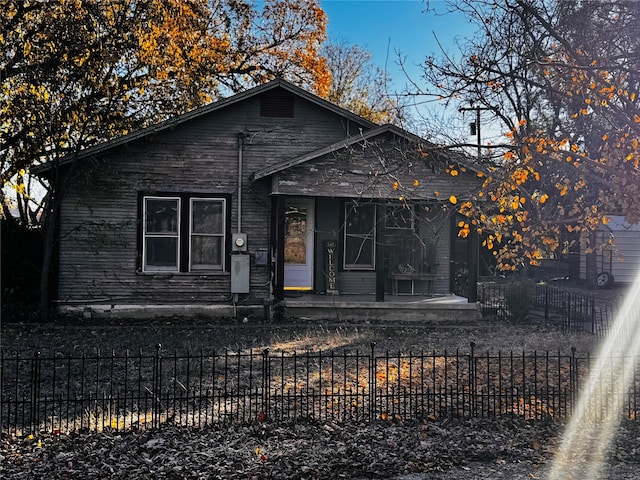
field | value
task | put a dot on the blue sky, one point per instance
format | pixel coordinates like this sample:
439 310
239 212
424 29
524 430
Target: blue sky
385 27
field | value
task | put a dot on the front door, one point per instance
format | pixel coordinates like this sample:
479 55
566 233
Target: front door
298 244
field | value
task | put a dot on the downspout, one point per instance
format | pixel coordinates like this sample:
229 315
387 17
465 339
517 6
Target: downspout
239 227
240 151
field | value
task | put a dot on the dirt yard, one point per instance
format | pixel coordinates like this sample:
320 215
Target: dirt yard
508 448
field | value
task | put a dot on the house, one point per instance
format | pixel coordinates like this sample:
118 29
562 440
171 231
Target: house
616 256
267 198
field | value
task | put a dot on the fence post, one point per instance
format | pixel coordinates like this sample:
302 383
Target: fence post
573 380
34 409
546 303
568 319
373 376
157 386
266 383
472 380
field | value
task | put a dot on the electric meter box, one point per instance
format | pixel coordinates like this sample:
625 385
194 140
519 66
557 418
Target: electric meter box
239 242
240 273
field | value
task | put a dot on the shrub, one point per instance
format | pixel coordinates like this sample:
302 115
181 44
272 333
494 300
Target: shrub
519 299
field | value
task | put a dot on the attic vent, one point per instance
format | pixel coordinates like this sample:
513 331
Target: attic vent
276 104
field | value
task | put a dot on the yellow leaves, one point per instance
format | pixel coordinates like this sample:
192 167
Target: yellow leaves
452 199
543 198
636 118
395 185
563 190
416 183
453 173
605 220
520 176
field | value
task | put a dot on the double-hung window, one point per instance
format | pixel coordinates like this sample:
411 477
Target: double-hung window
183 233
359 236
207 234
161 242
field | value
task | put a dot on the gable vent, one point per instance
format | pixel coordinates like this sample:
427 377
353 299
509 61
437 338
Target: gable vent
276 104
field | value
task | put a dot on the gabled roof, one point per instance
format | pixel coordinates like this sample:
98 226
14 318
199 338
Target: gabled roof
205 110
366 135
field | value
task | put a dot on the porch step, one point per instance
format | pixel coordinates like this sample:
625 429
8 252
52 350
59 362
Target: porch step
440 310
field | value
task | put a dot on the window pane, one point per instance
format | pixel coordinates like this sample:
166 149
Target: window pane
207 216
399 217
161 215
361 219
206 252
162 252
359 251
359 238
295 235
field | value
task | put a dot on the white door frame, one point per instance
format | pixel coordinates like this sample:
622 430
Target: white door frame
298 275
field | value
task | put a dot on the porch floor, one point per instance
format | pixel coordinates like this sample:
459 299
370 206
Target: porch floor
396 308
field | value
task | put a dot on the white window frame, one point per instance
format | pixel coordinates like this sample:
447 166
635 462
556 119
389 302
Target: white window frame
146 235
184 205
221 235
348 208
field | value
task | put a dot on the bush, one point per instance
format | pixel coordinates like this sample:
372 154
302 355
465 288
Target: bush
519 299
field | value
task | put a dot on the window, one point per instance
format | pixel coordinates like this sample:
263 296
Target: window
183 233
399 217
161 236
207 234
359 236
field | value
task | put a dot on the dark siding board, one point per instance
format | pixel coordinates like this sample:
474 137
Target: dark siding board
357 282
327 228
351 174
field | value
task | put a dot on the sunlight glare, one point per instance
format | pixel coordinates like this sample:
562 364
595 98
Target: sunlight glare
583 450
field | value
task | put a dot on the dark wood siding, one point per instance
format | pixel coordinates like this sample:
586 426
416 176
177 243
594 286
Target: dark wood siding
99 216
370 172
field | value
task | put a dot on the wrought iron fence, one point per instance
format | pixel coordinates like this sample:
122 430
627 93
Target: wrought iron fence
575 311
62 393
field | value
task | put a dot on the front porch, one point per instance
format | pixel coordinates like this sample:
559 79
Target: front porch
444 309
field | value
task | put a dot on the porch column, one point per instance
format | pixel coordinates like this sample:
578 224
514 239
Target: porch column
472 246
380 254
277 256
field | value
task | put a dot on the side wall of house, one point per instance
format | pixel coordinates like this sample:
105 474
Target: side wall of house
99 233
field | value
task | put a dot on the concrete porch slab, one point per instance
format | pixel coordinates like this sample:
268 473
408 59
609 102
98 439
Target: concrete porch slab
363 308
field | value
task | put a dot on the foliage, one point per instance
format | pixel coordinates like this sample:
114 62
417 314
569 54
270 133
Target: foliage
561 77
519 299
359 86
75 73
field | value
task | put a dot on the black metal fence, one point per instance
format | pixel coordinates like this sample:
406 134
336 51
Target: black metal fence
574 311
98 392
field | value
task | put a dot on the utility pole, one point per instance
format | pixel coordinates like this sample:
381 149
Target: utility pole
472 243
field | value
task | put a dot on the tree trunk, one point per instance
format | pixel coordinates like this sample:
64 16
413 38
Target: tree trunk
47 262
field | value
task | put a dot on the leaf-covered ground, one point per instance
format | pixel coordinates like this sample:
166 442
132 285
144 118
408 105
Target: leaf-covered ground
505 448
470 449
